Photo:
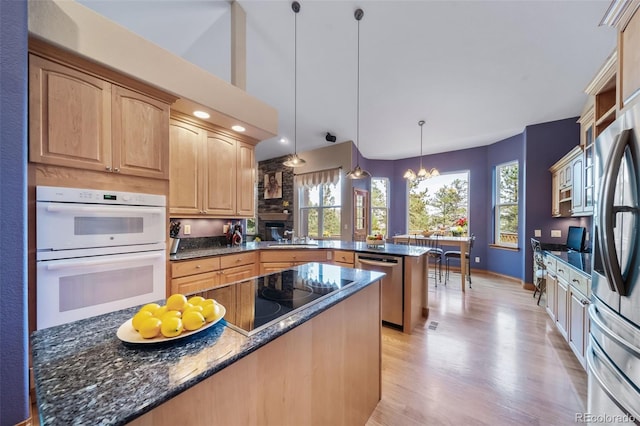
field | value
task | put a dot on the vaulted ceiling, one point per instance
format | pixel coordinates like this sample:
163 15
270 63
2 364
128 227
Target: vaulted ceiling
475 71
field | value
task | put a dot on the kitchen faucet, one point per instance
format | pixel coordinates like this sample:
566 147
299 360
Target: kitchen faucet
289 233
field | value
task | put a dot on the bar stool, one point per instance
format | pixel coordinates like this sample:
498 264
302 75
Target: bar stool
539 269
434 254
455 254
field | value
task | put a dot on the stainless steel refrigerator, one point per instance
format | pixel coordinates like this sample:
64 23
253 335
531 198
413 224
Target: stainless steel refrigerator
613 355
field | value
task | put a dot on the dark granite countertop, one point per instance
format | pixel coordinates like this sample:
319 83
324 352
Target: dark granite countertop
85 375
577 260
393 249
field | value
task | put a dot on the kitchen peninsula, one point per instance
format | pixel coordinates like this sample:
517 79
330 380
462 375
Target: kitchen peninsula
191 269
319 364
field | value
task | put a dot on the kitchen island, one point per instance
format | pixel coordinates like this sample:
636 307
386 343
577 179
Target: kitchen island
320 364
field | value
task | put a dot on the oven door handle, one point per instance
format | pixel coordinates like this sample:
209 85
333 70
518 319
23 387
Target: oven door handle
55 208
88 263
377 263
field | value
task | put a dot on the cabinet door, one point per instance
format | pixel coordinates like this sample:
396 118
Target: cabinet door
219 191
577 185
185 169
193 283
226 296
69 117
629 57
237 273
588 173
552 286
555 194
562 295
245 180
140 138
578 320
245 303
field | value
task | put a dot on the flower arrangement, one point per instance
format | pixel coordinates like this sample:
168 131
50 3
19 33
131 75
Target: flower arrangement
459 226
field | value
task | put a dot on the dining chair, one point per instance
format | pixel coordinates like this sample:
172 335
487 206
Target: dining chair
539 269
434 255
455 254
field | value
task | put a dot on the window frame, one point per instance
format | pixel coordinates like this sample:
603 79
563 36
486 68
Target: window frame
385 208
319 209
467 173
497 204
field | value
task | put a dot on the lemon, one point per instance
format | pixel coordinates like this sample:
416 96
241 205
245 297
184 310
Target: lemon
196 308
170 314
150 327
206 302
195 300
139 317
171 327
186 307
212 312
176 302
193 320
160 311
151 307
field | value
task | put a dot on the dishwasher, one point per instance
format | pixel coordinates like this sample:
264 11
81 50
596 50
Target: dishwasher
392 297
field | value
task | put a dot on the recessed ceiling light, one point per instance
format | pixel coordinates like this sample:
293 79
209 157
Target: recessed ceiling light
283 140
238 128
201 114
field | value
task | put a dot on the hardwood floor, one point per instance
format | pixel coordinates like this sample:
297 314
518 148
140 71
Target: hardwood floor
494 358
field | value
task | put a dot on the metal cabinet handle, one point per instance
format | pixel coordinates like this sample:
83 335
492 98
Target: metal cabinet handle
108 168
575 281
117 170
198 266
584 302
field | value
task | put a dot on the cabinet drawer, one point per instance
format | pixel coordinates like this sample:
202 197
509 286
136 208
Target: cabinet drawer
579 282
193 283
197 266
550 263
238 273
286 255
238 259
267 268
563 271
343 256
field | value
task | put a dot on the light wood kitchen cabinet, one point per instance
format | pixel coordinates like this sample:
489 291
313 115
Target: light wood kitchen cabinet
212 174
237 267
79 120
278 259
193 275
624 15
343 258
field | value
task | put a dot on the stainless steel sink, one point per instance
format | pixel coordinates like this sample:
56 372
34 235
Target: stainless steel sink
292 246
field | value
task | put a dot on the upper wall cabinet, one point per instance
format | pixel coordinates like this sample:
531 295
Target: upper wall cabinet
567 184
78 119
624 15
212 173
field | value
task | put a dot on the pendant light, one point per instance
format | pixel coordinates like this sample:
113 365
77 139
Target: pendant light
422 172
294 160
357 172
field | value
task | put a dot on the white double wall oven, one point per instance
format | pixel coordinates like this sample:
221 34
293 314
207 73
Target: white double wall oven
97 251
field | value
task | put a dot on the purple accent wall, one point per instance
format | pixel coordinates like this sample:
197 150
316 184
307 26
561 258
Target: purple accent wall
545 144
502 261
14 384
536 149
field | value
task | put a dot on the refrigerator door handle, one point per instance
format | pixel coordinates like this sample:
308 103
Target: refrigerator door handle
599 367
608 212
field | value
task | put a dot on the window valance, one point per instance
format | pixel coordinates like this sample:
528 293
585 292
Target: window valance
317 178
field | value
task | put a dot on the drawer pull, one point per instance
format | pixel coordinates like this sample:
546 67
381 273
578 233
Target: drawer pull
560 270
575 281
198 266
584 302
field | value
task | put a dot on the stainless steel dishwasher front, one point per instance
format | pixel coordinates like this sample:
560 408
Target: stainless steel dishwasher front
392 298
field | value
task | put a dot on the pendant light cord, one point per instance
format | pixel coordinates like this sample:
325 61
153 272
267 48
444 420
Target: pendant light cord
295 83
358 99
421 123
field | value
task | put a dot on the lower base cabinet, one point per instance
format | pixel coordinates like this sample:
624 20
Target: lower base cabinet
551 290
579 325
562 296
325 372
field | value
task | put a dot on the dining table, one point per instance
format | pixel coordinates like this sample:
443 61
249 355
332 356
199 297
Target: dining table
442 240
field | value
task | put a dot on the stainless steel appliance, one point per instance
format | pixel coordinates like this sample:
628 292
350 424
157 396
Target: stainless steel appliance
97 251
613 355
392 297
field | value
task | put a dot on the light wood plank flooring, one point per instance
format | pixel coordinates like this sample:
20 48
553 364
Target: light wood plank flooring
495 358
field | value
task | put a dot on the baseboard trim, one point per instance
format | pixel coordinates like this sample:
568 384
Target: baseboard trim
26 422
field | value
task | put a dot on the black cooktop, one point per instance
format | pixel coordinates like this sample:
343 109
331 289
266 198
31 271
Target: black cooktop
263 301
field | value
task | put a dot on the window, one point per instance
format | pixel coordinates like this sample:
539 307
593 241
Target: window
439 203
380 205
320 210
506 204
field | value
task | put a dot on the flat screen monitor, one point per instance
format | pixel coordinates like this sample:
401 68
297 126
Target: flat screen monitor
576 237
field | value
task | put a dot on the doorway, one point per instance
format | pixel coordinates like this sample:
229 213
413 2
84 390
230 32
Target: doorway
360 214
